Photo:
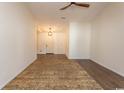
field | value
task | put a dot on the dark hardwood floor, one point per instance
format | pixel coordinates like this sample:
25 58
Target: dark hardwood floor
108 79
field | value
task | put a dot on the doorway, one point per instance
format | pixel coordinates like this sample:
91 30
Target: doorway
46 43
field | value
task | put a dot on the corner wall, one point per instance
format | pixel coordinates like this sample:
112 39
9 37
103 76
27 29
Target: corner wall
17 40
107 38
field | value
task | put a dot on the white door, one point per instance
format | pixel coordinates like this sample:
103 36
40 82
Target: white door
46 43
49 44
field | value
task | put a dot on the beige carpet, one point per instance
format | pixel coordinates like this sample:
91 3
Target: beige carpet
53 72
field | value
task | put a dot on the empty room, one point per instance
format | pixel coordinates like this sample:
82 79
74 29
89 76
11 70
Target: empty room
61 45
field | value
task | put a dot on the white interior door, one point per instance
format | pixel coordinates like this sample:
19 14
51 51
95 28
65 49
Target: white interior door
46 43
49 44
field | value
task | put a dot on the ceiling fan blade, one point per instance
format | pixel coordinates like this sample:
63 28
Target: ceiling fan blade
82 5
66 7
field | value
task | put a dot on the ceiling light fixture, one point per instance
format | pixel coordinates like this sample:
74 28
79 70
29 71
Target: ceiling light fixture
50 32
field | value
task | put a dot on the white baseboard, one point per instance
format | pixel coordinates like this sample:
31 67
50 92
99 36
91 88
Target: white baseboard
121 74
17 73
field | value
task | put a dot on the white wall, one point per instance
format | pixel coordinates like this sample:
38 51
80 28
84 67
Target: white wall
59 43
67 41
107 38
17 40
79 40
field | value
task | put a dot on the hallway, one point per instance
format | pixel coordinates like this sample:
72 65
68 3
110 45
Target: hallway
53 72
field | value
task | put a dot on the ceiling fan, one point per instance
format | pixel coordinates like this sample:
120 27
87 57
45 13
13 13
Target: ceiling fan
77 4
